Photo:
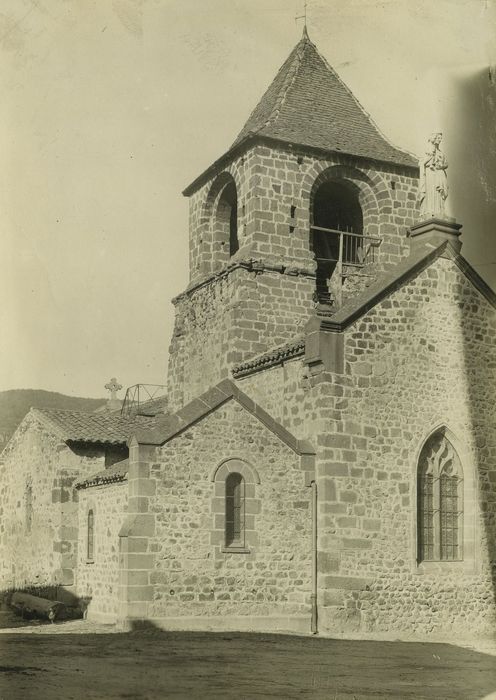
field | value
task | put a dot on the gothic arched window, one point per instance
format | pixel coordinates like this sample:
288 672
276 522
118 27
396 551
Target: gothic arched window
90 536
439 501
235 510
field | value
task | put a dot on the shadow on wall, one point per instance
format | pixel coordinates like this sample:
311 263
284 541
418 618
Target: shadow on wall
473 195
470 120
151 663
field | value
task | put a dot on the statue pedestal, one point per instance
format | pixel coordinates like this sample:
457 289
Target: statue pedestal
435 231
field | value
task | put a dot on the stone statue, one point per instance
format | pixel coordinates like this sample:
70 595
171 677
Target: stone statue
433 180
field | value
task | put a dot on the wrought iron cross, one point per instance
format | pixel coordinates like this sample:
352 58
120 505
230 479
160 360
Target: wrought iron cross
113 386
303 16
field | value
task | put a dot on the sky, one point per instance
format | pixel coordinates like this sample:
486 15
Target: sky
111 107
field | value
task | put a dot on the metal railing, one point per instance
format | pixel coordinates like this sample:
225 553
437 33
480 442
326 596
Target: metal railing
342 250
355 249
140 398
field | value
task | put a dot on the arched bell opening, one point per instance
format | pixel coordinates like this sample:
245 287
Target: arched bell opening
226 224
336 232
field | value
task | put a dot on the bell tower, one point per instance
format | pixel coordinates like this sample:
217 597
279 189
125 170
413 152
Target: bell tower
306 207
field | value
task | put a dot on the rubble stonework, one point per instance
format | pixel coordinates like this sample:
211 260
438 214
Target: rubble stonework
98 578
38 533
192 575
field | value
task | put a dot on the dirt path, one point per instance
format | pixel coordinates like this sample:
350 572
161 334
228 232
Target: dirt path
79 662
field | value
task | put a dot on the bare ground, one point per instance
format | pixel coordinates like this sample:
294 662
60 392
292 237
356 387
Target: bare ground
80 660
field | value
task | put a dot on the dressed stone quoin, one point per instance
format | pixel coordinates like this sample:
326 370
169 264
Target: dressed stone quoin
324 459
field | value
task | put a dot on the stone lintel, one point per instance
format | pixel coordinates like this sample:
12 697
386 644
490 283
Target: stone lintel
436 231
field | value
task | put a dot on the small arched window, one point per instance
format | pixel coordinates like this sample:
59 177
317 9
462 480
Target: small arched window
235 510
90 536
439 501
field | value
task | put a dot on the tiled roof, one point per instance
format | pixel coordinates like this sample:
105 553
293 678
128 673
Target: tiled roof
117 472
109 428
295 348
308 104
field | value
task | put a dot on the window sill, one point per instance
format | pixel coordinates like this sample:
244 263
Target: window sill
440 565
235 550
90 561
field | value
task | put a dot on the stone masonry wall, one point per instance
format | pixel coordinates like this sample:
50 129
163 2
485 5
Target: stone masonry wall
283 392
192 575
270 181
423 358
231 313
38 507
231 319
98 579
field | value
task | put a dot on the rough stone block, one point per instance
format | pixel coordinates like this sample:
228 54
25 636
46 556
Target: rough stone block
348 583
334 469
139 561
373 524
138 525
138 504
327 490
348 496
332 597
327 563
142 487
64 577
355 543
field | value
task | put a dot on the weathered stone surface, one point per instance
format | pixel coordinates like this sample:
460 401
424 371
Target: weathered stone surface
432 349
98 580
194 573
38 506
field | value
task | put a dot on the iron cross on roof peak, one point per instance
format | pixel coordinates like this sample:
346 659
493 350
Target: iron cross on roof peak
304 18
113 386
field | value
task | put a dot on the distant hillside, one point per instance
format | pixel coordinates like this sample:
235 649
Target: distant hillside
14 405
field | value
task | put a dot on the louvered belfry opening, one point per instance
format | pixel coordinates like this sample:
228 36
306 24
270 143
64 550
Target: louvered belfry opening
336 232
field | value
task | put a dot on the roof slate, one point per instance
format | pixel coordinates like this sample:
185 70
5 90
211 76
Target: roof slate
308 104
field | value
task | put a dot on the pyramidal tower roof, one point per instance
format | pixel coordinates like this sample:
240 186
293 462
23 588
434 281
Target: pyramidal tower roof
308 104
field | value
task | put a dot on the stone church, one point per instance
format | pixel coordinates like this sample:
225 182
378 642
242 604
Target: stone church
326 458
